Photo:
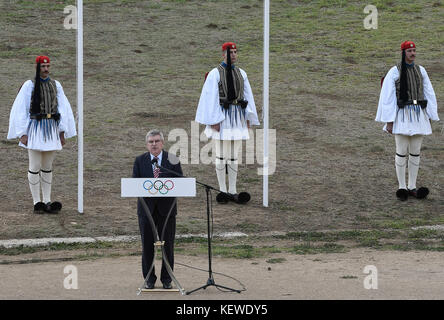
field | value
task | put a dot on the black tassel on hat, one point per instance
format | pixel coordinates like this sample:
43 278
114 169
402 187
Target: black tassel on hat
35 106
403 95
231 94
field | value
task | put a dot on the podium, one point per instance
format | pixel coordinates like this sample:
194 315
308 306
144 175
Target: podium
158 187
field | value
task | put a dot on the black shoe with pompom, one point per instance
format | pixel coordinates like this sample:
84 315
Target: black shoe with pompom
420 193
402 194
39 207
222 198
53 207
240 198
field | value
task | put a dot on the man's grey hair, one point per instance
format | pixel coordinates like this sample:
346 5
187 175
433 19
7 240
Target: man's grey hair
153 133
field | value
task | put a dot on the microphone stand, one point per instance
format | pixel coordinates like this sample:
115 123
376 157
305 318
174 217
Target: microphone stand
208 188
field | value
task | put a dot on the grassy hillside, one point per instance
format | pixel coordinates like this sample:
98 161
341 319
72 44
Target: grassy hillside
144 68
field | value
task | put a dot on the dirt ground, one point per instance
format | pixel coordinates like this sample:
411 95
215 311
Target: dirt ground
400 275
335 166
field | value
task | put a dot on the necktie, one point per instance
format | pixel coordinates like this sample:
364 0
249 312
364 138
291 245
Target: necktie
156 169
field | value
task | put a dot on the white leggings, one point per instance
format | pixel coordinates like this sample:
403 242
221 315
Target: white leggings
227 149
40 160
412 145
40 174
227 152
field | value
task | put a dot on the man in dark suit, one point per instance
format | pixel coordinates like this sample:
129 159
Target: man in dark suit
159 207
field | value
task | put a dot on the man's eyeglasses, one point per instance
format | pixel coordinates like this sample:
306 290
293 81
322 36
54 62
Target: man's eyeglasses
153 141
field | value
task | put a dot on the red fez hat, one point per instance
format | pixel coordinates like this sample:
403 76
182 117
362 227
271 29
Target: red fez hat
42 59
407 45
227 45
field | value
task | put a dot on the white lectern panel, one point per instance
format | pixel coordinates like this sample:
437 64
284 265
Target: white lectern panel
158 187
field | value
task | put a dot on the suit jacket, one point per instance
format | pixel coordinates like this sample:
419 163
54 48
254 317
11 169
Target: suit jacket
143 168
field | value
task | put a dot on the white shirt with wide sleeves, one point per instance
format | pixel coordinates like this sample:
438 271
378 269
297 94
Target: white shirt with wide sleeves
233 121
410 120
21 124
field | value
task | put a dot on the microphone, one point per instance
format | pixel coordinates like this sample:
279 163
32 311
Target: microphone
155 162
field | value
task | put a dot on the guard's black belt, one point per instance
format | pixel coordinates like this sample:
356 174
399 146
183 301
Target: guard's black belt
40 116
422 103
226 104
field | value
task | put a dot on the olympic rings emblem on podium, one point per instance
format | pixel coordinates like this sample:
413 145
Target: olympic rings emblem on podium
158 186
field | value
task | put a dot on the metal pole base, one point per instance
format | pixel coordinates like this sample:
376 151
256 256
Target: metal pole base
210 282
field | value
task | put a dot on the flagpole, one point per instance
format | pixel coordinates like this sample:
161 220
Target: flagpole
265 98
80 102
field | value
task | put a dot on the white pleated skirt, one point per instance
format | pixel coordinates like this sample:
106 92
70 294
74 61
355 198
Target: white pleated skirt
233 127
411 120
43 135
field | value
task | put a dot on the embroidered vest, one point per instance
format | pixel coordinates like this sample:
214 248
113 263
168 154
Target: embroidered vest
415 86
238 83
48 97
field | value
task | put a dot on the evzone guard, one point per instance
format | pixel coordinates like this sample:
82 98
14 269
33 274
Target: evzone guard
226 106
407 104
41 117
